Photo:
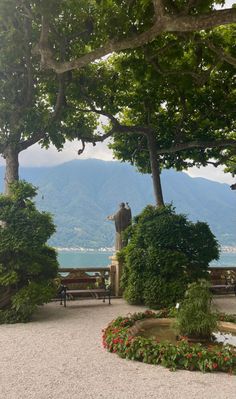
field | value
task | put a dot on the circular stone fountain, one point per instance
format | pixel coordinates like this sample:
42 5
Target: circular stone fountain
162 330
135 337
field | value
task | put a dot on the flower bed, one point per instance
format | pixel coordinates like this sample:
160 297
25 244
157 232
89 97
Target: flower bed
117 338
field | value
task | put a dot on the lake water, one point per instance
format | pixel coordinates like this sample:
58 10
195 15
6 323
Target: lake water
101 259
84 259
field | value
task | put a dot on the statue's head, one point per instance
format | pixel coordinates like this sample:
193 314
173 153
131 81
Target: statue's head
122 205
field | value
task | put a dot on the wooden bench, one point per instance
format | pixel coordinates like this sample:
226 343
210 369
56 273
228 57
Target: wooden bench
223 288
223 281
79 283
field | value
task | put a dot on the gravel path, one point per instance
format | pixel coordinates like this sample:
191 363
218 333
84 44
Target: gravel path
59 355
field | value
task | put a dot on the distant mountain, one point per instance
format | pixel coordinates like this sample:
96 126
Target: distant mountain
80 194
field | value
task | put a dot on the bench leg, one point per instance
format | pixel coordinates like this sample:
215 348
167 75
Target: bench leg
65 299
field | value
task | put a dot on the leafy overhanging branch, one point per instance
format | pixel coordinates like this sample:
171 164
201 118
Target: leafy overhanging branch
163 23
118 128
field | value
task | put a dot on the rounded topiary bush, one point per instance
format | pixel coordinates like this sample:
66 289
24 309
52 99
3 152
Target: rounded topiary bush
27 265
165 252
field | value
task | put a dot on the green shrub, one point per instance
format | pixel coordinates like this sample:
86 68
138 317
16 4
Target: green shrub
165 252
27 265
159 292
195 317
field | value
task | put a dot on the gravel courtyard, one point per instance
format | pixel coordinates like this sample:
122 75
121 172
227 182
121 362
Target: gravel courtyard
59 355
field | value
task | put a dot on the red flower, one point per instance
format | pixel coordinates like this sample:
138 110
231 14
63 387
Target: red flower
199 354
214 365
189 355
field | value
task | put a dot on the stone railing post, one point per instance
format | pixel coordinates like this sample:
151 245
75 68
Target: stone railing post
116 271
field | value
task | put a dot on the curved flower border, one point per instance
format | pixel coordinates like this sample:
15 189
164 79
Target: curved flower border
184 355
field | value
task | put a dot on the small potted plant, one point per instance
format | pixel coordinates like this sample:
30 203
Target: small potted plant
195 318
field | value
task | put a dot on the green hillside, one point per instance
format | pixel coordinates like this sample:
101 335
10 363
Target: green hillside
80 194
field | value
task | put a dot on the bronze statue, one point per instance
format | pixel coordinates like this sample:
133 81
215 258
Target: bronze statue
122 219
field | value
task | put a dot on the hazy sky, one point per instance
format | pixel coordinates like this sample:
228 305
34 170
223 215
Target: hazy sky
35 156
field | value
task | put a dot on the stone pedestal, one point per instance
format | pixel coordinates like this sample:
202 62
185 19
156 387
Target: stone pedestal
116 272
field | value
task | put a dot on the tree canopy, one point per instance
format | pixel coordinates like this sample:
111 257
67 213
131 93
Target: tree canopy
189 107
50 48
170 104
95 28
33 103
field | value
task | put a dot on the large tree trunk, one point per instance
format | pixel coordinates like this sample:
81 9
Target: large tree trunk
11 154
155 168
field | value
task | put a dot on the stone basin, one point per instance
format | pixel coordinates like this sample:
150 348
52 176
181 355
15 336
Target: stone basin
162 330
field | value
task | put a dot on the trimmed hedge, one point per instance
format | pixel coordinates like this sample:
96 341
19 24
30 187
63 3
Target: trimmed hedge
165 253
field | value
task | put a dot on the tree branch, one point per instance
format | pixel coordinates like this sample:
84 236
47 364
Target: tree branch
112 118
81 150
95 139
211 20
158 8
61 98
179 147
2 148
28 62
198 144
23 145
165 23
117 127
222 54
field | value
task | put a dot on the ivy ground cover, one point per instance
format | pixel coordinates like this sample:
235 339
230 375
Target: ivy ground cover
118 339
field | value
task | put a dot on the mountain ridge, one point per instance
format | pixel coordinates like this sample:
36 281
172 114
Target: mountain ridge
81 193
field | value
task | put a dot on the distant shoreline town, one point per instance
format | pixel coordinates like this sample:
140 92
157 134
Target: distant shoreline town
82 249
224 249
